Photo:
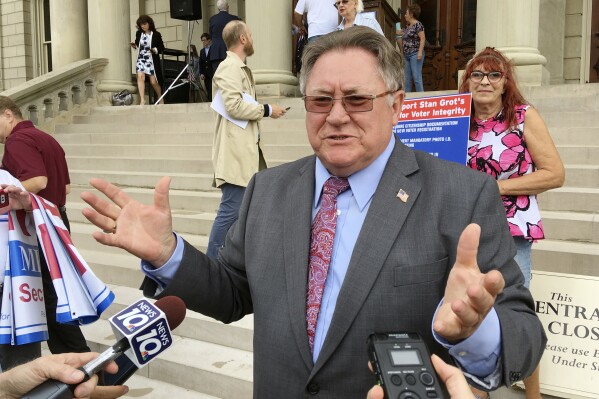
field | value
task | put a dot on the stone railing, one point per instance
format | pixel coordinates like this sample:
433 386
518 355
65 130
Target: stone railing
56 95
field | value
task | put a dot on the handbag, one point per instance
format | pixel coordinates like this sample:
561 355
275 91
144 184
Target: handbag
123 97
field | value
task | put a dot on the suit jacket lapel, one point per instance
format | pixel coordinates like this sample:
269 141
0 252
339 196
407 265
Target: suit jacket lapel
296 252
384 221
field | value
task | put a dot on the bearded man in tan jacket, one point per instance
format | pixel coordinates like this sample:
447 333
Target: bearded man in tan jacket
236 153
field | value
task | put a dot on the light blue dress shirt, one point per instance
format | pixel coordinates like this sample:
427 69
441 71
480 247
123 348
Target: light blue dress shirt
477 355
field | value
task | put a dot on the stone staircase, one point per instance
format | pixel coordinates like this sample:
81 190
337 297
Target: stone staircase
134 146
571 213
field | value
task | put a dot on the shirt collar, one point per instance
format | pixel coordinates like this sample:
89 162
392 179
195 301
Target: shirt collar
24 124
363 183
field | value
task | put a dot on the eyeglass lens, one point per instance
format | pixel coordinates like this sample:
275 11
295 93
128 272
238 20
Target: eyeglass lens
478 76
338 3
352 103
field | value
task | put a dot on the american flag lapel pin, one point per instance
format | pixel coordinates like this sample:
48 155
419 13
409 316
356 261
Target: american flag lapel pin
402 195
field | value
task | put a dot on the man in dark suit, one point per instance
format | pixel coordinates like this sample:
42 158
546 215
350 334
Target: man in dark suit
218 49
381 237
206 71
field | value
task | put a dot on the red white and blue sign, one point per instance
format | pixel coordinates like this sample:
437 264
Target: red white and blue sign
437 125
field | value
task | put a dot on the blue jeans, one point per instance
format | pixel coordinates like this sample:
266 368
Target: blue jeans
413 68
522 258
227 214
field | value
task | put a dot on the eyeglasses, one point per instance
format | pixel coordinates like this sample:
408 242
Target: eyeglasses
338 3
478 76
351 103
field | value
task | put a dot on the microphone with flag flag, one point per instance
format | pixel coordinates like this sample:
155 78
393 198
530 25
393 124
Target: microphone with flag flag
143 331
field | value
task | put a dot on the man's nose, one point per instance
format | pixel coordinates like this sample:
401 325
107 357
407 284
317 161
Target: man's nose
338 109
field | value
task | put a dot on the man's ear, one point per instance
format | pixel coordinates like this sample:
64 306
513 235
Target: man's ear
8 115
398 98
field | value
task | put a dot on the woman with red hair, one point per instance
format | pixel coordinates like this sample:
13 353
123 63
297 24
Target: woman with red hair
509 141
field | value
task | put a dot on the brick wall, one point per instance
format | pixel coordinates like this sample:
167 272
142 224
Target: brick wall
16 43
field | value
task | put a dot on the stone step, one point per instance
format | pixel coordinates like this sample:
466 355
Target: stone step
201 118
197 114
138 163
148 388
141 129
296 104
156 151
560 104
111 265
578 136
573 199
182 108
196 326
571 102
140 386
183 150
579 154
196 201
571 226
81 234
292 137
190 364
190 222
179 181
284 124
566 257
563 97
144 164
560 91
569 119
582 175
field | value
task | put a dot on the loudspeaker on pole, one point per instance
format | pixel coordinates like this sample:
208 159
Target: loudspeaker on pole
187 10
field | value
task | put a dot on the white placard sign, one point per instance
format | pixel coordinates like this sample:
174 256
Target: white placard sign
568 307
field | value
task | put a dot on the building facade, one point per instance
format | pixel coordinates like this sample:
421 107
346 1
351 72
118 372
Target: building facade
550 41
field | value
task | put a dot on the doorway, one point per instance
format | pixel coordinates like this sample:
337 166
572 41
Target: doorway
450 30
594 43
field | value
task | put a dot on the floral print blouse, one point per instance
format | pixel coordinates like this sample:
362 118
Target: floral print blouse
501 152
411 40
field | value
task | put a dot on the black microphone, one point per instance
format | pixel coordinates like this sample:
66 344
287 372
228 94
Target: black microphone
143 332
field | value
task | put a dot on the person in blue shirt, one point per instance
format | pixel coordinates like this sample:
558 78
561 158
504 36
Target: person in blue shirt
412 244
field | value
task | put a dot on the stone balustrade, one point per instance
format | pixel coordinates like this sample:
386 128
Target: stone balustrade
54 96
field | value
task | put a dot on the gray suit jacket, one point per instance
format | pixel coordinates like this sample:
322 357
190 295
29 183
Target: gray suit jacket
395 280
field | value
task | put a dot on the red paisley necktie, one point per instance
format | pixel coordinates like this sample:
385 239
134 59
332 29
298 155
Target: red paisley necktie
321 248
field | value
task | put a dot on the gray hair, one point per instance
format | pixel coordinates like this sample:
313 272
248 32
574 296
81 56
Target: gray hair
360 6
390 60
221 5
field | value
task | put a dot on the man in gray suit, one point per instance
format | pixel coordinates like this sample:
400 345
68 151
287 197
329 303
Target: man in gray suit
420 244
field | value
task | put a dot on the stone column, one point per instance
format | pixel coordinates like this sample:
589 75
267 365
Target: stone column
270 23
512 26
110 35
68 24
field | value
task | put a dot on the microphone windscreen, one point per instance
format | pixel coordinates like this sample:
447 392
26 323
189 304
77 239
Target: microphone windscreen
174 310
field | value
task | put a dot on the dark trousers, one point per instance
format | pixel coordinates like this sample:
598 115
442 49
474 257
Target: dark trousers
208 84
215 64
62 337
